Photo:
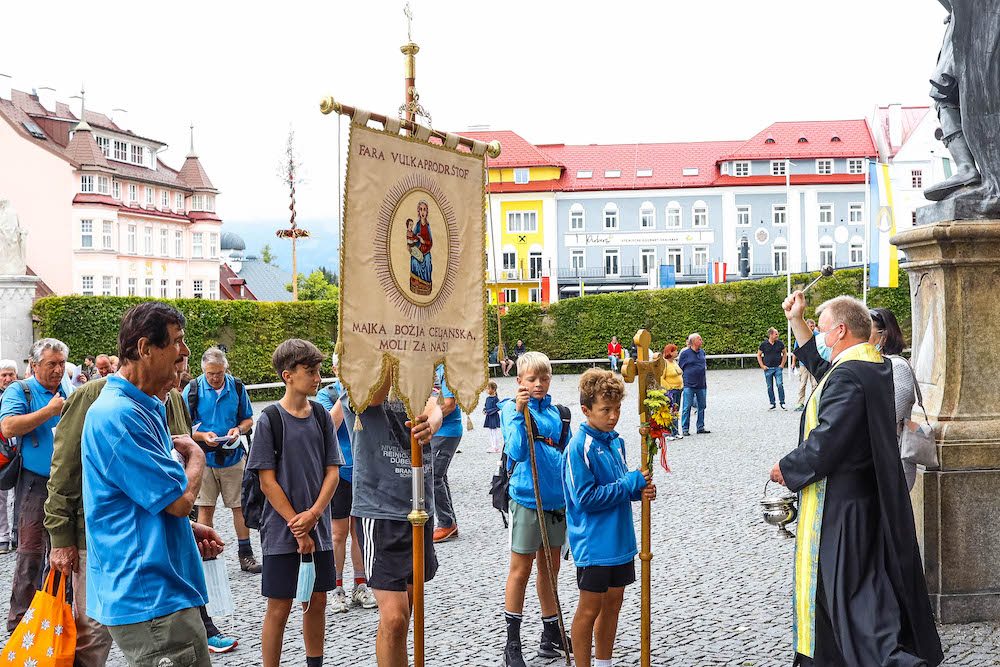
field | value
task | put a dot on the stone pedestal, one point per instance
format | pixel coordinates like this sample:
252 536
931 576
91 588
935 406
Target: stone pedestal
16 296
954 270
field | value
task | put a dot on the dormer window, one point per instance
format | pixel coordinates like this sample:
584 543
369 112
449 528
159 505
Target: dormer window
521 176
104 143
834 138
612 173
741 168
197 202
137 154
769 140
87 183
803 140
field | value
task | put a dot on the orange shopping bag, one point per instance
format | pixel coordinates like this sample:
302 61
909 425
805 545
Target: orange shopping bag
46 635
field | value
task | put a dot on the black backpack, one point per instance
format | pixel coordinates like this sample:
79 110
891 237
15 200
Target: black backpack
11 470
501 478
220 454
252 498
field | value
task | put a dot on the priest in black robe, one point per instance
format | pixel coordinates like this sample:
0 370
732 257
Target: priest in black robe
860 598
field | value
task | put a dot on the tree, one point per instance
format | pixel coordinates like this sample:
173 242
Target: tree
266 255
331 277
315 287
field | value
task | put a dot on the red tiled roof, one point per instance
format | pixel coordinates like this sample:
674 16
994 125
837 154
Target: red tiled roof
911 117
531 186
668 162
515 151
153 213
87 198
193 174
855 141
83 150
203 215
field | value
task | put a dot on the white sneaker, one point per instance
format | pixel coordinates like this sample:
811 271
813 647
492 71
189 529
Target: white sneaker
363 596
339 604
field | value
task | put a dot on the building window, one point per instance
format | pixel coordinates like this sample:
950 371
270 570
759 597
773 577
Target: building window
212 289
612 173
675 258
164 241
913 218
577 259
163 289
131 239
197 202
585 173
87 234
673 214
103 185
743 216
824 167
741 169
131 286
826 214
178 289
856 213
178 244
610 217
857 251
521 175
778 216
137 155
535 265
644 173
116 190
107 284
104 143
121 151
147 240
647 260
213 246
576 218
149 196
611 264
133 192
196 246
700 215
199 289
826 254
164 200
780 255
855 166
108 235
699 258
509 259
510 295
917 175
180 203
534 295
522 222
86 183
87 285
149 287
647 216
778 167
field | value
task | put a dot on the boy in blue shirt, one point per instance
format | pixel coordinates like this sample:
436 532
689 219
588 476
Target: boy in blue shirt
444 445
340 509
534 374
599 491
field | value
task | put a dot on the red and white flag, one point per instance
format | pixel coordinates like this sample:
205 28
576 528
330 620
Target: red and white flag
716 272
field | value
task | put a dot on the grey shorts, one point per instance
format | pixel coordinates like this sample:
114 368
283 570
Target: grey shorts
174 640
526 536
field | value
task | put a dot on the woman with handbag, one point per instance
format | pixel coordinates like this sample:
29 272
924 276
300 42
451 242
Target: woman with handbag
888 339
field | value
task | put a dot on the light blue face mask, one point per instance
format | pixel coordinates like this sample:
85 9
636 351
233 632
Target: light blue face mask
824 350
307 578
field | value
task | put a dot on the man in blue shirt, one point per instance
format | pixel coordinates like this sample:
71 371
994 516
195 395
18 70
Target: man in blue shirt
144 575
693 364
222 415
29 411
444 444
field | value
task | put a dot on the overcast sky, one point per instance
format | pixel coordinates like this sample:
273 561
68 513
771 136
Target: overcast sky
573 72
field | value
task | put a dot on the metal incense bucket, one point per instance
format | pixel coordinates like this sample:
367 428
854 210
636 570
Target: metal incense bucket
779 510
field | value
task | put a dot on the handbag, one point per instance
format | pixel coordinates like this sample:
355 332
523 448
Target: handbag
918 446
46 635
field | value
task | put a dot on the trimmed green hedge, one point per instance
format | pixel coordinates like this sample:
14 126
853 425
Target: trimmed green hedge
250 330
731 317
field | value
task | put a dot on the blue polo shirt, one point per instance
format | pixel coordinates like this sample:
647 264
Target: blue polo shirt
36 446
142 563
218 412
343 435
451 425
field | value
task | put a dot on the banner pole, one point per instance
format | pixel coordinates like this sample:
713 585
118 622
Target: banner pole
418 517
868 226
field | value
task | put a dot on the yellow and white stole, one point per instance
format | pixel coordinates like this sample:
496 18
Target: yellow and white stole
811 501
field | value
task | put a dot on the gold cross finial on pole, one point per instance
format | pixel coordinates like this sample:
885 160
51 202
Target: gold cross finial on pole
409 21
648 373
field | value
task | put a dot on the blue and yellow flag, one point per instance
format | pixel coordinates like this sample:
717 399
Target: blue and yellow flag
883 270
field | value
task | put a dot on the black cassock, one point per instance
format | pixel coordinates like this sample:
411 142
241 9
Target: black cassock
872 608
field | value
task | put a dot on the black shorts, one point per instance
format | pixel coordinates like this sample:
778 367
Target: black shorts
340 506
387 546
599 578
280 576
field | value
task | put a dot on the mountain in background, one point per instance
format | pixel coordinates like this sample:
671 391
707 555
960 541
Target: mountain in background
311 253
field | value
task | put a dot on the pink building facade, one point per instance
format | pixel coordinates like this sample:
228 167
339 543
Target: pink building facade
104 215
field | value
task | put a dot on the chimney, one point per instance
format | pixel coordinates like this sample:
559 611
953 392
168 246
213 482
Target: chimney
47 98
895 125
120 118
5 87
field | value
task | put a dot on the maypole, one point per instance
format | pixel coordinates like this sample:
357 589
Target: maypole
288 172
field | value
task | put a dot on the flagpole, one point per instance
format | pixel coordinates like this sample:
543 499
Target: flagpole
868 227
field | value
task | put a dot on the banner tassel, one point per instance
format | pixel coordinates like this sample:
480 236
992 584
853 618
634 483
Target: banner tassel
468 422
357 423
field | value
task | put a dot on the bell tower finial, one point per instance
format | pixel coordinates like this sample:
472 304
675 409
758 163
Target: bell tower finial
191 153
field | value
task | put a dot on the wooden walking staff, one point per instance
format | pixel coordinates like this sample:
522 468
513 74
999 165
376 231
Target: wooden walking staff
645 371
418 518
529 431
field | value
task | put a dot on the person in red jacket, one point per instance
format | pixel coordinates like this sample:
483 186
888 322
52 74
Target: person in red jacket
614 352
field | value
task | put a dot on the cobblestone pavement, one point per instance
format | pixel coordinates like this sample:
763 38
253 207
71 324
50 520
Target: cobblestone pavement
721 577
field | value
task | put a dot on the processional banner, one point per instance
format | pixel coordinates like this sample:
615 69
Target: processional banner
413 267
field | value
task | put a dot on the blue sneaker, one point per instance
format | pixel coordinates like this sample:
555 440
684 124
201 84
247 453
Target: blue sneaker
220 644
